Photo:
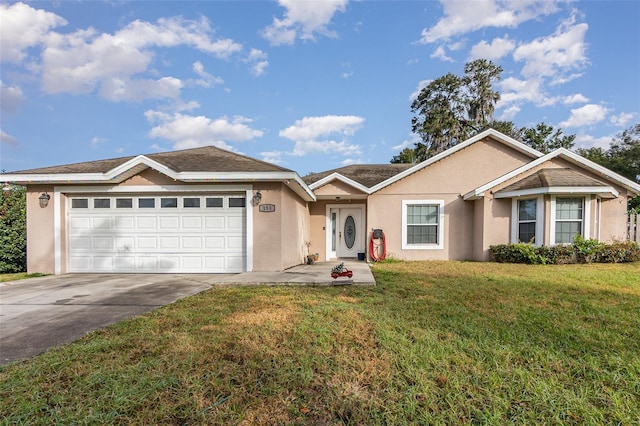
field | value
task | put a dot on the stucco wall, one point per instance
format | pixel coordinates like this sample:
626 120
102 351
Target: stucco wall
295 228
448 180
40 231
613 219
337 188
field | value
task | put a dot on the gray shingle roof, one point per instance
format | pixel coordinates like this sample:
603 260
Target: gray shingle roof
365 174
205 159
553 178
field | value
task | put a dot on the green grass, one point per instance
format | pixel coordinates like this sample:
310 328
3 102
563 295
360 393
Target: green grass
18 276
433 343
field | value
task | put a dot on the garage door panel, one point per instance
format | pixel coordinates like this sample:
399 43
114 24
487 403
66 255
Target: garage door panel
178 239
124 222
213 243
192 243
79 223
104 263
102 223
147 222
147 242
192 223
171 223
80 242
214 223
102 243
172 242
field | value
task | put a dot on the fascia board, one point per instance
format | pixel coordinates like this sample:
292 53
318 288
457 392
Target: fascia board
337 176
560 190
489 132
623 181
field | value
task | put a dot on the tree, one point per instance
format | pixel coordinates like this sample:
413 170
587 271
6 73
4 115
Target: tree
506 128
543 138
450 107
480 97
623 156
13 229
407 155
439 112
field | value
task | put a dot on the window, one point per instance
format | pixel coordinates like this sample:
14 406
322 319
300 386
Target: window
168 203
191 202
422 224
124 203
527 211
146 203
214 202
568 219
237 202
101 203
80 203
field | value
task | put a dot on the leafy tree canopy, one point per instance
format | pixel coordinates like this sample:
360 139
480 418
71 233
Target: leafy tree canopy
13 229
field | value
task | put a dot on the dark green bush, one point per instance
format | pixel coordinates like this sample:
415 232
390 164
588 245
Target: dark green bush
13 229
581 251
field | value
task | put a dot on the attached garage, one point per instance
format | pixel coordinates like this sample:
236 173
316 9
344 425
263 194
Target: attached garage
151 233
199 210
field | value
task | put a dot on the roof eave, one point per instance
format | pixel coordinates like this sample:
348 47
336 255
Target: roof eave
604 191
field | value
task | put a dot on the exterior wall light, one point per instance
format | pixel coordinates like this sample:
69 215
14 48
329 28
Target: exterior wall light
44 199
257 197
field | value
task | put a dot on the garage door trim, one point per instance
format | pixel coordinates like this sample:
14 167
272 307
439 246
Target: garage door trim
141 189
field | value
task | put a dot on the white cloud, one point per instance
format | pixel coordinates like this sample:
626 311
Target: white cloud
421 85
588 141
407 143
441 54
509 113
24 27
498 48
514 90
346 75
350 161
81 61
273 157
586 115
7 139
206 79
188 131
258 60
303 20
555 55
461 17
577 98
622 119
95 141
313 134
11 98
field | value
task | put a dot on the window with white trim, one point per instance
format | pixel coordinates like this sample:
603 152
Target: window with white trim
568 219
422 224
527 215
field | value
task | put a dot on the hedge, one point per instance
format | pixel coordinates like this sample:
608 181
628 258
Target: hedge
581 251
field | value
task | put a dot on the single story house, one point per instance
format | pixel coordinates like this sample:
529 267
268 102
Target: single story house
207 210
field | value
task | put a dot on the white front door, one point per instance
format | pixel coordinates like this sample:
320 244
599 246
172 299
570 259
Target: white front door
347 237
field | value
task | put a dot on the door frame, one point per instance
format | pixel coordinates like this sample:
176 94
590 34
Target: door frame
361 242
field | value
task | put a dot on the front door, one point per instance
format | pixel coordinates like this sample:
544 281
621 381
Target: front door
347 232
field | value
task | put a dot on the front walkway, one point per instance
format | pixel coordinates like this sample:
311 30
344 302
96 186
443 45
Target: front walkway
318 274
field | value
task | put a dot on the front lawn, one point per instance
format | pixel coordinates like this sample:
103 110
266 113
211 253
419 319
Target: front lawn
434 342
18 276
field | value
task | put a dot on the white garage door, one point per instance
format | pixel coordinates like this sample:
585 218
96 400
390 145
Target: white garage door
157 233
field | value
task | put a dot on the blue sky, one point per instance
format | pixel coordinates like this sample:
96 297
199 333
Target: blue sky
308 85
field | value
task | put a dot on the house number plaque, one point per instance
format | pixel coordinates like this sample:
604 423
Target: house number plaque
267 208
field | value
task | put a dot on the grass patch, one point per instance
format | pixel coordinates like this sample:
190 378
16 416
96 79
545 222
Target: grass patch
18 276
434 342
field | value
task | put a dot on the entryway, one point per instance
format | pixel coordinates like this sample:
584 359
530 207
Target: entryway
346 236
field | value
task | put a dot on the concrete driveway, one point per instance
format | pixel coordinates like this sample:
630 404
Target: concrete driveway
39 313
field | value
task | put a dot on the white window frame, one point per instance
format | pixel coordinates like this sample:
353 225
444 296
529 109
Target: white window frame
515 219
440 245
586 216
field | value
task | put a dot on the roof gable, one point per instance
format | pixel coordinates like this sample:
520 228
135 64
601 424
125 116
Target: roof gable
206 164
569 156
359 176
493 134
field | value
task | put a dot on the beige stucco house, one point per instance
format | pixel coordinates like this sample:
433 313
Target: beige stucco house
206 210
